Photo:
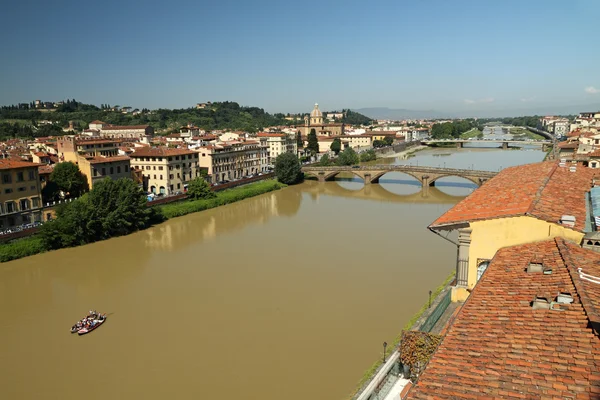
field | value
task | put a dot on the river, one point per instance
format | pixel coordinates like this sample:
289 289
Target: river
288 295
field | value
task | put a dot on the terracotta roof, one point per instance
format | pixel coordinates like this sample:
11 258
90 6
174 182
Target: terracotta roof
45 169
264 134
124 127
160 152
101 160
11 164
96 141
541 190
570 145
500 347
98 122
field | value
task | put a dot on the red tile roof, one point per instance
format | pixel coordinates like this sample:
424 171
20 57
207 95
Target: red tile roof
45 169
159 152
264 134
102 160
500 347
98 122
6 163
570 145
541 190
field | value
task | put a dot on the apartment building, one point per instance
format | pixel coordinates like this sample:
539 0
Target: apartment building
165 170
137 132
279 143
20 199
96 158
226 161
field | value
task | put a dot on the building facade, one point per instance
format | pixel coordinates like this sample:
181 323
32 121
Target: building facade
279 143
165 171
20 198
315 121
227 161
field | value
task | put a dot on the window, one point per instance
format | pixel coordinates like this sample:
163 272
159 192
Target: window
171 176
203 154
118 169
481 267
153 158
10 206
20 177
170 158
171 187
7 191
95 172
35 201
178 175
170 168
127 168
154 176
103 171
31 175
49 217
24 204
189 156
112 170
160 168
147 167
22 189
179 186
176 157
32 187
196 155
161 177
154 167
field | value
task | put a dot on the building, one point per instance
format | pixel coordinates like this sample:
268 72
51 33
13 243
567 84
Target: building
20 198
136 132
233 160
529 330
165 170
315 121
520 205
278 143
96 158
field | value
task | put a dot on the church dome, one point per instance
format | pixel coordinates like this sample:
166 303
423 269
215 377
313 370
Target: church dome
316 113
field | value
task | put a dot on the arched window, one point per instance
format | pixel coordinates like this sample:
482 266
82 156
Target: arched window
481 268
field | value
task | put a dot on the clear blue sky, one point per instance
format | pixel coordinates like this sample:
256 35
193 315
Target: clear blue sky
447 55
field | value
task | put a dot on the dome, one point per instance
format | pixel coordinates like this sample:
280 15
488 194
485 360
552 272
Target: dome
316 113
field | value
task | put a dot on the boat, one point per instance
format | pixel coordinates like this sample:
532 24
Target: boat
93 317
94 324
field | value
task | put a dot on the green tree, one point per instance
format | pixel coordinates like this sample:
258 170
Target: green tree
299 141
287 168
325 161
198 188
378 143
388 140
69 179
313 142
336 146
348 157
368 155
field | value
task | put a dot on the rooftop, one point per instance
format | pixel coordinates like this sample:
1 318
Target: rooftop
124 127
159 152
499 346
542 190
6 163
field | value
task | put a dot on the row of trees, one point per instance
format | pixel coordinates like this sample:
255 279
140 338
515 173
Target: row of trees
19 130
111 208
452 129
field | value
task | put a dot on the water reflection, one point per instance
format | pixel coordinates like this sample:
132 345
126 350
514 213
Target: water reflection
194 229
379 192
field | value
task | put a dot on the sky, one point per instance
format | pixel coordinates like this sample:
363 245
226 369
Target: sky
451 56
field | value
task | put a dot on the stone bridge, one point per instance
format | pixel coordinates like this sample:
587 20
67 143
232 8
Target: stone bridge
426 175
505 142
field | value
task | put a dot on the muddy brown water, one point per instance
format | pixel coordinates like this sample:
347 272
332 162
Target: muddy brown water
287 295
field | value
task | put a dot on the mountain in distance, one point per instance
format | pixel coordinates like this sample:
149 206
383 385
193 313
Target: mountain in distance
399 113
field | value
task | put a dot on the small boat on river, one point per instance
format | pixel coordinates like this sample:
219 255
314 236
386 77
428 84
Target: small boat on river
92 321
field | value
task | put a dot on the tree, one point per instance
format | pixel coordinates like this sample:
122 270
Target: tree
287 168
348 157
388 140
313 142
336 146
198 188
378 143
69 179
325 161
299 140
368 155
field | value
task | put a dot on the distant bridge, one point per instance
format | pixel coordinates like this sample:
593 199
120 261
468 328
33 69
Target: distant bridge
426 175
505 142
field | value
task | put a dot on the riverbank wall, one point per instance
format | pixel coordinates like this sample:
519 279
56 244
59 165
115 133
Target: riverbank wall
434 317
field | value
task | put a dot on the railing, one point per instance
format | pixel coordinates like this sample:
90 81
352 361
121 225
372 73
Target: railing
439 310
470 172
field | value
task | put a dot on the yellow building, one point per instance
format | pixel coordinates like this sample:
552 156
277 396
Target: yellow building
226 161
96 158
279 143
520 205
20 199
315 121
165 170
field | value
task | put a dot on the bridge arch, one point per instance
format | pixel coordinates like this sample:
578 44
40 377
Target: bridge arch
376 176
474 179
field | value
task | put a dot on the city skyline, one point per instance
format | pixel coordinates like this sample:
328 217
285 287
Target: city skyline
461 59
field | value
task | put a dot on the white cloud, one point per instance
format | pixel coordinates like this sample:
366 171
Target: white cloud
591 90
479 101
